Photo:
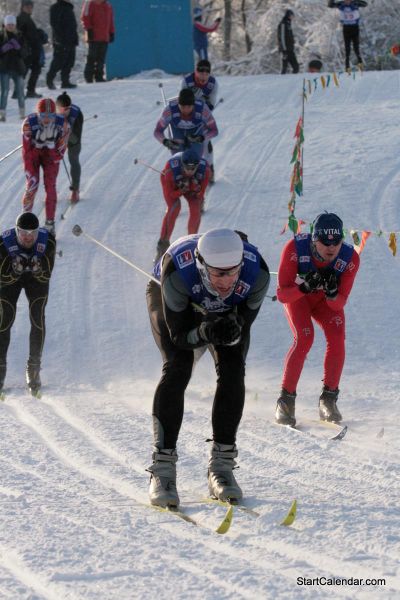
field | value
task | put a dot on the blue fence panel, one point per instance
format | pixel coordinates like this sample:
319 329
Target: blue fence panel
151 34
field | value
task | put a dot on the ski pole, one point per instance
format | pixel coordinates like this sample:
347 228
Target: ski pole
9 153
66 170
77 230
160 85
92 117
138 161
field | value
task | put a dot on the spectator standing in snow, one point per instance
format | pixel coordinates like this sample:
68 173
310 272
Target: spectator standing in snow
350 18
315 277
44 141
212 288
98 21
74 115
11 65
65 39
204 87
27 256
200 33
190 122
286 43
185 174
34 41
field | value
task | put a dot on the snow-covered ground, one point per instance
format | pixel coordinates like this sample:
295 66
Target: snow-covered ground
73 485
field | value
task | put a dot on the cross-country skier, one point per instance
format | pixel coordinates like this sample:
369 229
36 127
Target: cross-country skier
350 18
185 174
44 141
74 115
315 277
191 124
200 32
27 256
204 87
228 279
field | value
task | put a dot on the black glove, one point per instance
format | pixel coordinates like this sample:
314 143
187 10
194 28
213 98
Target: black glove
195 139
223 331
90 35
184 185
35 265
171 144
19 264
218 20
331 286
311 282
112 37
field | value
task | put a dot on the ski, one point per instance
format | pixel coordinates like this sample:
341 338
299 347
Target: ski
291 515
222 528
303 427
239 506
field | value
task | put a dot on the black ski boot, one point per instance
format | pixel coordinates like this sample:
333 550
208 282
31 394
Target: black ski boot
33 377
3 371
285 407
328 411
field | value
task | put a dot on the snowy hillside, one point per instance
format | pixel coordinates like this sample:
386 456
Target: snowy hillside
73 490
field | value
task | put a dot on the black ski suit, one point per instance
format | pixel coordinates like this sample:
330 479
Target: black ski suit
171 329
351 29
16 273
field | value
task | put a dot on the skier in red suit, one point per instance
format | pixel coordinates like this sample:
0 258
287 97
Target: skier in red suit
187 175
44 141
315 277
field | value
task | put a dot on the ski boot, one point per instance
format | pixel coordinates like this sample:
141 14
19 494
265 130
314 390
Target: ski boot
74 198
162 491
50 226
328 411
222 484
2 115
3 370
33 377
285 407
162 247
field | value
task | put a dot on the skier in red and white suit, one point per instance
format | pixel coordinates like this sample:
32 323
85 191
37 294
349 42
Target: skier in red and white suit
315 277
44 141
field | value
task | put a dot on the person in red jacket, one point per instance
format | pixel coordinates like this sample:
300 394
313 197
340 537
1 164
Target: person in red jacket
315 277
185 174
98 21
44 141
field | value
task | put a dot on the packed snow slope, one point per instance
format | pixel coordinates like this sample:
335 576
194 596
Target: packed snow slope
73 488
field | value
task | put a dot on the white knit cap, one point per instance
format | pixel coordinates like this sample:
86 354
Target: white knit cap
10 20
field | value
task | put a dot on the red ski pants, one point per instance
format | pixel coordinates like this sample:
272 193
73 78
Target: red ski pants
300 315
173 210
32 174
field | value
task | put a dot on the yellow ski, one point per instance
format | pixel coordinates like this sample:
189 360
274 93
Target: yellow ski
227 521
290 517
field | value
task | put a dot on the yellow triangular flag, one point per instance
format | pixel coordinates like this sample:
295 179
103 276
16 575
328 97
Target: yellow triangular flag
393 243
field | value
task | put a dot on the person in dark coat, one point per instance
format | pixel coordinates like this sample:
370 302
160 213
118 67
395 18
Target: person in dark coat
65 40
286 43
11 65
33 40
74 116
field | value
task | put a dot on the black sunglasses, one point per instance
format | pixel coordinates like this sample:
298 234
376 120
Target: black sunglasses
203 70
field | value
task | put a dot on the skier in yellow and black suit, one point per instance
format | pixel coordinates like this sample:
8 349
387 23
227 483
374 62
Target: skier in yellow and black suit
27 255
